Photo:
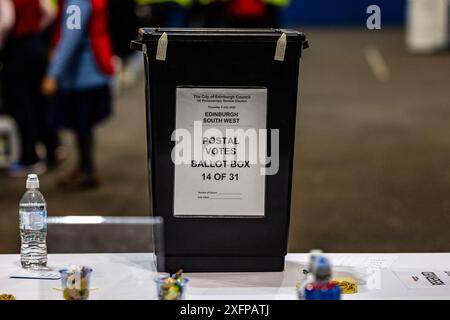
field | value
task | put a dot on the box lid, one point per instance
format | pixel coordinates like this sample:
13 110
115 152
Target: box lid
218 34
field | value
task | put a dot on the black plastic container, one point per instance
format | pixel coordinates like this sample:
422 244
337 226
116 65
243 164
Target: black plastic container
218 58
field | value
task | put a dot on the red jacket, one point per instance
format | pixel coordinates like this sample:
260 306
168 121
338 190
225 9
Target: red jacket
28 17
247 8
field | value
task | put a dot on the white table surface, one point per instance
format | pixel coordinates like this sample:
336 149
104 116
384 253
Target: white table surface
130 276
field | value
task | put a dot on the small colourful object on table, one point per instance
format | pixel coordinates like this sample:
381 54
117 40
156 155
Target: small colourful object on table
347 285
76 282
171 288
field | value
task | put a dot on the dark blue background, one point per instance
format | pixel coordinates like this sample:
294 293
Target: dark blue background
341 12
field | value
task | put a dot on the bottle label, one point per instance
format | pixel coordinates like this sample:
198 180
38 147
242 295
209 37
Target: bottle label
33 220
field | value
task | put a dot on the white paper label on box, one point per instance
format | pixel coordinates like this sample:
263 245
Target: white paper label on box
228 184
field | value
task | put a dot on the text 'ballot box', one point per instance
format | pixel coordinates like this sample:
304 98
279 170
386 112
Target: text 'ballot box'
221 109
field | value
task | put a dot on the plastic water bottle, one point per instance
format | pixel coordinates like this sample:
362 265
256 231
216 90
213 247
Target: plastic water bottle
33 226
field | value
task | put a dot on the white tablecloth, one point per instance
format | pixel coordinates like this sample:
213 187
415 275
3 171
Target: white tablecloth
130 276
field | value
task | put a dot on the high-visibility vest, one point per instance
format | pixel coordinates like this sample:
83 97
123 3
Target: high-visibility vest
187 3
278 3
184 3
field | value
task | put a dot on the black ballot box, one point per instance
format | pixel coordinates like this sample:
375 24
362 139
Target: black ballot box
220 110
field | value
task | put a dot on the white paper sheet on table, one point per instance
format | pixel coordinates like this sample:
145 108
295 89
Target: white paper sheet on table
30 274
363 261
423 278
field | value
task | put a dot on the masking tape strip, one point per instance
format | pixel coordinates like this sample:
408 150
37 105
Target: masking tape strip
281 48
162 47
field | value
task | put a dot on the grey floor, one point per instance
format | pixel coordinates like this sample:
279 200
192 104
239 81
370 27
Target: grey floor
372 159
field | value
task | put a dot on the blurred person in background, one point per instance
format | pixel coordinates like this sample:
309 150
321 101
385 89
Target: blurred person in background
24 63
208 14
79 78
123 25
163 13
256 13
7 18
236 13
